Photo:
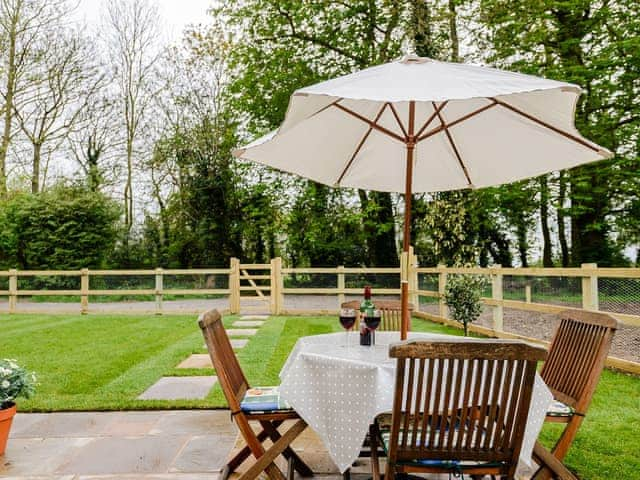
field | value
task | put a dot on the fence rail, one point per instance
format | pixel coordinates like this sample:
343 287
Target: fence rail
543 290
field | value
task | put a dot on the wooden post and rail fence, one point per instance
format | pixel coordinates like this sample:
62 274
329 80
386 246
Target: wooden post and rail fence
266 286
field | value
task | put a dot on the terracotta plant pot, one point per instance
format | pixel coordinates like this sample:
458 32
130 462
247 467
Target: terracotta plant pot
6 417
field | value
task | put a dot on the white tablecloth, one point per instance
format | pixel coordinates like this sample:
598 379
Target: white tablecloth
338 391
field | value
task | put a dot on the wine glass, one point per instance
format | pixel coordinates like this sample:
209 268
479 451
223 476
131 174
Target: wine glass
347 320
372 322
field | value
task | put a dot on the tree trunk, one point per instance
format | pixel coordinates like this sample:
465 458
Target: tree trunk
8 106
385 253
453 32
35 176
562 235
589 227
547 255
128 188
523 245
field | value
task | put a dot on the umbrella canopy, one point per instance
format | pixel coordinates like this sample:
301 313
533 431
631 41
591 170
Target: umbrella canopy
420 125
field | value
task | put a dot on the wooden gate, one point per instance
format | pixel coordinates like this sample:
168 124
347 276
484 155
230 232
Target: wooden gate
254 287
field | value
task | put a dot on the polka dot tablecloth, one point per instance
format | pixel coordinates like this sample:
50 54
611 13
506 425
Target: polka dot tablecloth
338 390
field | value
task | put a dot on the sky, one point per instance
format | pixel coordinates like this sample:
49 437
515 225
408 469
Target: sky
175 13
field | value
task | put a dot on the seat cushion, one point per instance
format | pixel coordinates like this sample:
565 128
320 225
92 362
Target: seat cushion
263 399
559 409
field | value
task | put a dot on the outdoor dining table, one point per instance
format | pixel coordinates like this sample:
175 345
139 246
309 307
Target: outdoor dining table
339 389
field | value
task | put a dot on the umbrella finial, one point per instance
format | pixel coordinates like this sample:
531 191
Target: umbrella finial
410 55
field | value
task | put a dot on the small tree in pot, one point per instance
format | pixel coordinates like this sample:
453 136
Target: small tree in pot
462 295
15 382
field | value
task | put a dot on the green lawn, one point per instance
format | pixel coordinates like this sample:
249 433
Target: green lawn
103 362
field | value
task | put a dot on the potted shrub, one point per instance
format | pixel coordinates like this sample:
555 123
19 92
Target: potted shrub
15 382
462 296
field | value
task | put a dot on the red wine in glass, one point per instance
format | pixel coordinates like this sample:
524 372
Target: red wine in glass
347 320
372 322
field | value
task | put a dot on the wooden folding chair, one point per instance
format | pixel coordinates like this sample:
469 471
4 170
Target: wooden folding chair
459 408
391 313
234 386
576 358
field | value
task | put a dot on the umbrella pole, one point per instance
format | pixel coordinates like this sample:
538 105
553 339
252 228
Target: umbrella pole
404 292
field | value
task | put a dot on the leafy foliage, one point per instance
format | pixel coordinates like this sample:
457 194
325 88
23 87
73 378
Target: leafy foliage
462 296
67 227
15 382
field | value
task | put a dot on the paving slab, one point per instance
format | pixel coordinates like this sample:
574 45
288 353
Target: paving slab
239 343
254 317
196 360
68 424
144 476
175 388
247 323
146 454
38 456
203 454
132 423
241 332
236 343
195 422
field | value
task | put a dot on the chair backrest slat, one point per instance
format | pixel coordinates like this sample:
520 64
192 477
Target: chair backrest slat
232 380
577 354
391 311
470 401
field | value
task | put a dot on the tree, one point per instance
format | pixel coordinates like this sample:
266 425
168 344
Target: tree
65 228
22 26
277 50
131 38
591 44
63 79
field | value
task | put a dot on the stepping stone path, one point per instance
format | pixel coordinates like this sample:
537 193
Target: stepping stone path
173 388
197 360
241 332
247 323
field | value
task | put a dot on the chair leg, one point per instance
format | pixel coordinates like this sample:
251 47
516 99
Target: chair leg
290 468
389 472
550 466
559 451
244 453
264 461
271 428
373 442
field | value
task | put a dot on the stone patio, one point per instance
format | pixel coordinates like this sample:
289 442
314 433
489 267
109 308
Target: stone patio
158 445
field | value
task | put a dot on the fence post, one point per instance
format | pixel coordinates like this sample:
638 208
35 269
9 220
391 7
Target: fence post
276 290
497 295
234 286
590 288
527 292
13 290
84 291
341 285
159 289
442 285
413 280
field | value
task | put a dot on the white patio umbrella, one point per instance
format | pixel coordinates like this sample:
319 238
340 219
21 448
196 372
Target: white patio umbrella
420 125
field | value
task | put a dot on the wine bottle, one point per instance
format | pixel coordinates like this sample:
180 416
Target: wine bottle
366 306
366 309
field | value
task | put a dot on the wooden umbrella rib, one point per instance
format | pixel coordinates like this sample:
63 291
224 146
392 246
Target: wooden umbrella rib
364 139
455 148
439 129
371 123
433 115
395 114
547 125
